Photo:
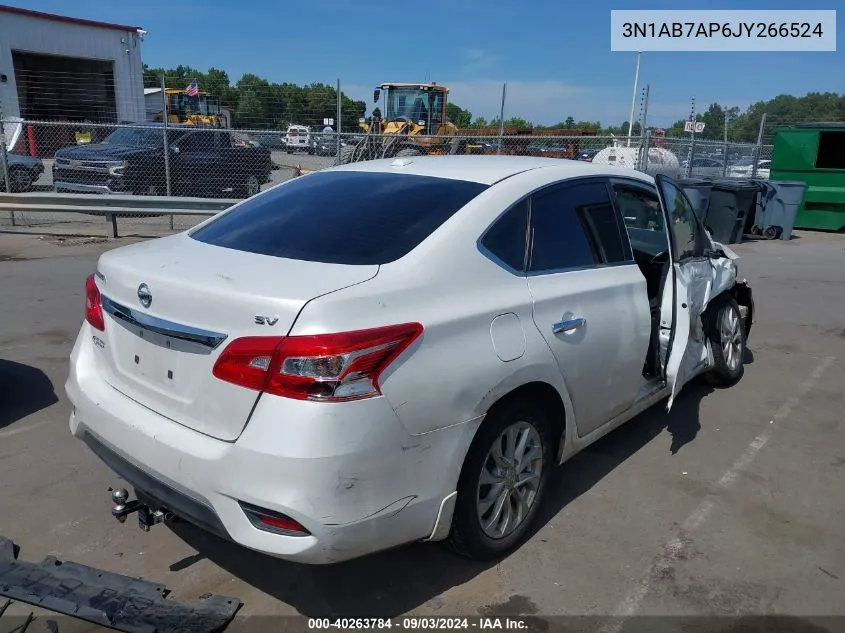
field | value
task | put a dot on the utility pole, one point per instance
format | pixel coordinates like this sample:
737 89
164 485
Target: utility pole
644 141
693 117
339 113
646 93
725 145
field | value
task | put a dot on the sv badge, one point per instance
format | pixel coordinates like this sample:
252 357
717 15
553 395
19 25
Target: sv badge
266 320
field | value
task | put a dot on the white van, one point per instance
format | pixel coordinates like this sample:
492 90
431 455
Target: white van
298 139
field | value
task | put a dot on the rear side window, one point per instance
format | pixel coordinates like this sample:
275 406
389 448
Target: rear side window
341 217
505 239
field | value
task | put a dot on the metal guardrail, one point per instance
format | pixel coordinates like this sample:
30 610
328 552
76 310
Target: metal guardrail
113 206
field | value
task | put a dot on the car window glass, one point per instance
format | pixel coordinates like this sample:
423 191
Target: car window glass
505 239
197 142
683 221
342 217
558 237
603 229
643 220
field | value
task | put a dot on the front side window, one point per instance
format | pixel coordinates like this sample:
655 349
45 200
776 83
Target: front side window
643 219
689 241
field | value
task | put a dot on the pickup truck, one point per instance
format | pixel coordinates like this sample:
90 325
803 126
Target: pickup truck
203 163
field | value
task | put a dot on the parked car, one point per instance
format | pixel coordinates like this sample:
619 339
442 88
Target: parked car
23 172
326 144
202 162
272 140
747 170
376 354
705 167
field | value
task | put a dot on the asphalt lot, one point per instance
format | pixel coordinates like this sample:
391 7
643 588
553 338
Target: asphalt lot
730 504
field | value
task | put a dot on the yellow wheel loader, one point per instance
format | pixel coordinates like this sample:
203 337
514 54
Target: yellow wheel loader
412 123
201 109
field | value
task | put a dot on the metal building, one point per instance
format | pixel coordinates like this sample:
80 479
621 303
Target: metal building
57 68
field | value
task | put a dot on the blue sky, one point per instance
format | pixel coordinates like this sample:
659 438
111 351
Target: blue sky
554 54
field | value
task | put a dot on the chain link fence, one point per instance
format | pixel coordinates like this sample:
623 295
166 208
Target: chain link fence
202 160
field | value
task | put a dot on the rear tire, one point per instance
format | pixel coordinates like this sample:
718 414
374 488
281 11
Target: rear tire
726 332
346 154
251 187
501 488
20 179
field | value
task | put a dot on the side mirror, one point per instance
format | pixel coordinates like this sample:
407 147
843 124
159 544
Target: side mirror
376 95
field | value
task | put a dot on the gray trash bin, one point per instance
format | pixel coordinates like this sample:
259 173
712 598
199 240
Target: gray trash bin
732 205
698 192
779 202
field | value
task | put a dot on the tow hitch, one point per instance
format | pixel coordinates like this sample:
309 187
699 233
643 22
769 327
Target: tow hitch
147 516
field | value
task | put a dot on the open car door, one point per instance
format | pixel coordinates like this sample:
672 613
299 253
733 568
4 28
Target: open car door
684 352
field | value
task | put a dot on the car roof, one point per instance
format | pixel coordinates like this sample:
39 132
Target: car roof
488 170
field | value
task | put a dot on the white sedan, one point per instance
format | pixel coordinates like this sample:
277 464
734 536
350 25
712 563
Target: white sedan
397 350
764 168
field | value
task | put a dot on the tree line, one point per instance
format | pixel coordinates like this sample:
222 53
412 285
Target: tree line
260 104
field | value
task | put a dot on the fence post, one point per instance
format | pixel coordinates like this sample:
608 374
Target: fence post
339 113
759 148
502 119
164 115
725 148
646 145
4 165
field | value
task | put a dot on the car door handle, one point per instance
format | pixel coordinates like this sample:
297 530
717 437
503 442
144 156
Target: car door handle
569 325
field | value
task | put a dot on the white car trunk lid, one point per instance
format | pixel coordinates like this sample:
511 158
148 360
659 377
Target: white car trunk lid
203 297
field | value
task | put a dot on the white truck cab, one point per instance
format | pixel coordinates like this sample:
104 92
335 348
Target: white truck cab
298 138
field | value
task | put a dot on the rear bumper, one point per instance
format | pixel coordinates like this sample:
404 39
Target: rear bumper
359 483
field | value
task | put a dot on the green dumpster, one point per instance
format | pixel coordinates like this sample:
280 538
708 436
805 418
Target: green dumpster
814 153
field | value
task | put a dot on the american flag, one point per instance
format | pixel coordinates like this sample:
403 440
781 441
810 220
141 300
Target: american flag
193 89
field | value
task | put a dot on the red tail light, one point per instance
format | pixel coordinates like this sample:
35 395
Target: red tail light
323 367
93 308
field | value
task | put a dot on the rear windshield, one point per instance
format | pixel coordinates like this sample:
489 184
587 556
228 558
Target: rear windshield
341 217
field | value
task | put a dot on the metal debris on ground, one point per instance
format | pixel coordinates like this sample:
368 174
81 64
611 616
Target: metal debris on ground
105 598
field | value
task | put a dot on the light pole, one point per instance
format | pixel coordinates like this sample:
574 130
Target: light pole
634 98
